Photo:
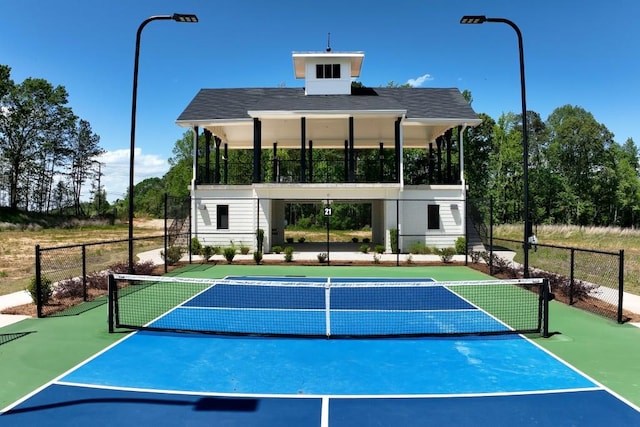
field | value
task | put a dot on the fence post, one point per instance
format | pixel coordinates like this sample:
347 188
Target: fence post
110 291
491 236
571 275
38 283
620 284
397 232
84 272
466 229
166 231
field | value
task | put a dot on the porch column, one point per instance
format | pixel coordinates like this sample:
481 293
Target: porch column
195 158
439 159
274 165
207 156
257 143
398 150
216 177
352 158
448 136
225 160
381 163
461 155
431 164
346 160
310 161
303 154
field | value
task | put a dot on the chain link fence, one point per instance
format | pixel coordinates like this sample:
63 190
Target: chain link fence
72 279
589 279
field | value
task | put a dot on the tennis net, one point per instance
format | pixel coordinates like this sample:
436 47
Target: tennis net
328 307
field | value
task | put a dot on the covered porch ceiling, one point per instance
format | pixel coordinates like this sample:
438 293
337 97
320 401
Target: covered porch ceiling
329 130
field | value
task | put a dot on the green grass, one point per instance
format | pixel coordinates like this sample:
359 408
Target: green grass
593 268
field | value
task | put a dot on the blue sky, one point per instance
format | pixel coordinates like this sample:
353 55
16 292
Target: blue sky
576 52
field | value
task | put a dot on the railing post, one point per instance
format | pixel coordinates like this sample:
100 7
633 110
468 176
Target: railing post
38 283
620 284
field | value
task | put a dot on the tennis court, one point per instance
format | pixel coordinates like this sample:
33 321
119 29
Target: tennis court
407 352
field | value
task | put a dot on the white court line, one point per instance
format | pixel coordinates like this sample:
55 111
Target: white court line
328 396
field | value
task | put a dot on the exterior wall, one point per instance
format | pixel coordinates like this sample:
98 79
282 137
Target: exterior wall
263 206
244 214
409 216
341 86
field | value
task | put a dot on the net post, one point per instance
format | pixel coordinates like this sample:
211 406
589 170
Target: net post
327 307
545 308
111 284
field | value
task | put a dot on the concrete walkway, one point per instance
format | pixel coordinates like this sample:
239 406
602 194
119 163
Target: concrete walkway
631 302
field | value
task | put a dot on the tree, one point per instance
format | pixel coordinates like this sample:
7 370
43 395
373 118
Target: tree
31 111
149 197
577 150
179 176
478 148
83 146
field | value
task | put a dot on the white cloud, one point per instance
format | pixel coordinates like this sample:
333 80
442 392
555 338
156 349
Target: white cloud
115 170
417 82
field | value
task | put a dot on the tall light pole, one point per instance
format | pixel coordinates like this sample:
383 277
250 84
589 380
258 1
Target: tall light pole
480 19
178 17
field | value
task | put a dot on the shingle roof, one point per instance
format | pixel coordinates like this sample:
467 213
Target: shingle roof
427 103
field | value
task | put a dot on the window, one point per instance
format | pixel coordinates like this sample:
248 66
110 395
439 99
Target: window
327 71
222 217
433 217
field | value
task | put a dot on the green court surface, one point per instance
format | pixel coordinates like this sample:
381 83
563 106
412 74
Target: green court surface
602 349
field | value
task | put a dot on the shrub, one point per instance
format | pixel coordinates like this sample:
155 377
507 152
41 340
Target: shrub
122 267
257 257
322 257
289 239
98 280
207 252
366 240
461 246
46 289
420 248
379 249
244 249
301 239
260 239
196 247
276 249
288 254
70 288
393 237
229 253
354 239
475 256
173 255
364 249
446 254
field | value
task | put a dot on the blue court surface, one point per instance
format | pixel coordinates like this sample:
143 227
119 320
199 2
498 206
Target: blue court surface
168 378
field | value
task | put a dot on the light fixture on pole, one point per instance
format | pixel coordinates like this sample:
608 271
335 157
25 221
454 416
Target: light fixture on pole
178 17
480 19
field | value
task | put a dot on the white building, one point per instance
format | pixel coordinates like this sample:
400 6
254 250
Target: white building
231 200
